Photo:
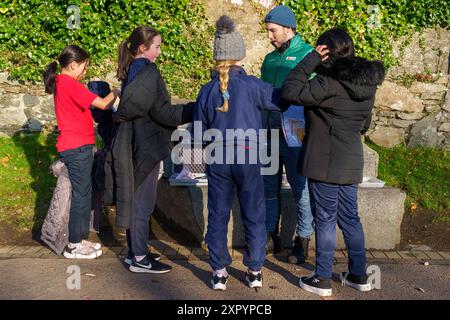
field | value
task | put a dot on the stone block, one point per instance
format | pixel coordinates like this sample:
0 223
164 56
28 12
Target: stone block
387 137
402 123
445 127
424 132
370 162
445 255
406 255
187 206
393 255
395 97
434 255
442 80
437 96
29 100
427 88
446 105
431 108
410 116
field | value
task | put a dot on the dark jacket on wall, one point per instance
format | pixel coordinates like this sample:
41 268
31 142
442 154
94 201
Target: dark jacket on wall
103 118
338 104
146 120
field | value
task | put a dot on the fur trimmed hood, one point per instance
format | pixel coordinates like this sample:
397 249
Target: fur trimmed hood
359 76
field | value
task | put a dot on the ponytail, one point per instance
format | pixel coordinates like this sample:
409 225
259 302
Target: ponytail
125 58
128 48
68 55
49 77
223 67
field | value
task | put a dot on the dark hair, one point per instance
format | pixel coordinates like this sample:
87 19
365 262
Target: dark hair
68 55
339 43
129 48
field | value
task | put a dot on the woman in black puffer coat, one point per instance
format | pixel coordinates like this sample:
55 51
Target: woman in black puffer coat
338 103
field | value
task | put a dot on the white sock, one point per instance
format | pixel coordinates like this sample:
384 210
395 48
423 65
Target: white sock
220 273
74 245
139 258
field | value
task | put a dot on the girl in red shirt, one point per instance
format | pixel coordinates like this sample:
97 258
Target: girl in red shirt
76 140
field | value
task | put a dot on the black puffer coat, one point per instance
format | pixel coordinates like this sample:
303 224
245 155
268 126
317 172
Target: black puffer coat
146 120
338 104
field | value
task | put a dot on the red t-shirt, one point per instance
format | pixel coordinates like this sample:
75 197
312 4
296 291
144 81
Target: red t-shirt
75 124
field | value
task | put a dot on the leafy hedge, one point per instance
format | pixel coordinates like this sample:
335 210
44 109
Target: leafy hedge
33 33
372 40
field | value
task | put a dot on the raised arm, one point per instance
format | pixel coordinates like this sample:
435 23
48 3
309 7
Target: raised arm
298 89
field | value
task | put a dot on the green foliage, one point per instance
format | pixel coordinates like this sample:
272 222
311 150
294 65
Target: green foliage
397 18
34 32
424 173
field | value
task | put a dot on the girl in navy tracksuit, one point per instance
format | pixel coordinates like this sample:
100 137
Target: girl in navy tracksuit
233 100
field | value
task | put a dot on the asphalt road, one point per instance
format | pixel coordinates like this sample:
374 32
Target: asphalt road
107 278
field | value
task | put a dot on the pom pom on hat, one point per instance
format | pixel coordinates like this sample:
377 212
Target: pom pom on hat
225 25
228 42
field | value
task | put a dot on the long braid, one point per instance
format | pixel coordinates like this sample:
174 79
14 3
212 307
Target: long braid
223 67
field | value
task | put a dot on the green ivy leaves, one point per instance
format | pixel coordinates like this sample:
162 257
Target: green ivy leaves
397 18
33 33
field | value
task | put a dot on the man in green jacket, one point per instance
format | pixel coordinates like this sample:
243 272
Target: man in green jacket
289 50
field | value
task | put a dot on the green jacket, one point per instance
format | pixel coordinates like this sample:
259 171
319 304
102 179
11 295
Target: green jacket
274 70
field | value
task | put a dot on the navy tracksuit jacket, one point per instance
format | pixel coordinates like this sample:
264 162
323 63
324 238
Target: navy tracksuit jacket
248 96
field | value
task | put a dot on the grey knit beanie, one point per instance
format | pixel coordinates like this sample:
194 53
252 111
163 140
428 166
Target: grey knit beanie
228 43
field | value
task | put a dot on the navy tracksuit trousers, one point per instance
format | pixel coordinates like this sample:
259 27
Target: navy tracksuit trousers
331 204
223 181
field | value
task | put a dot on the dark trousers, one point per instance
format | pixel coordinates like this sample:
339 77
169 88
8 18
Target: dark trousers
223 180
288 157
331 204
143 205
79 164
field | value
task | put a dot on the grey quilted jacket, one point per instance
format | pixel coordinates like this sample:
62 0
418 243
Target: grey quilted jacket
55 230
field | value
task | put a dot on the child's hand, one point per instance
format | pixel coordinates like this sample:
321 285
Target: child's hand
323 51
116 92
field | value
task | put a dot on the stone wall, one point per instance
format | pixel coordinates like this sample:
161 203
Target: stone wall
24 107
416 113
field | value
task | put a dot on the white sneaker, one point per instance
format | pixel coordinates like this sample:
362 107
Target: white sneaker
81 251
219 282
94 245
254 280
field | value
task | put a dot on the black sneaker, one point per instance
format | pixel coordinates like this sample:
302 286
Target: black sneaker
149 265
219 283
254 280
299 253
358 282
317 285
129 259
